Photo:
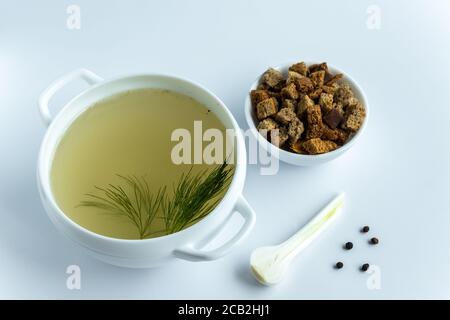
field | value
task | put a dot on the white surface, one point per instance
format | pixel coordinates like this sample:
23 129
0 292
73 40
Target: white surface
397 178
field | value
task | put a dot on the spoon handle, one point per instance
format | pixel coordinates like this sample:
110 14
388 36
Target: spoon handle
300 240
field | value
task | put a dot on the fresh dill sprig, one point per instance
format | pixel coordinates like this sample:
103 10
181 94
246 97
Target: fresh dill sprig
137 204
194 196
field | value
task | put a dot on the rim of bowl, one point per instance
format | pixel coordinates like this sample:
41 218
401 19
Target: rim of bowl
240 165
264 143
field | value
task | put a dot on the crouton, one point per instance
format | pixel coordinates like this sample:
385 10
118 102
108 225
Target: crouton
334 79
336 135
290 92
314 122
300 68
257 96
317 146
293 77
333 118
295 130
330 88
298 148
272 77
354 118
304 102
279 136
266 108
318 67
290 104
285 115
343 94
304 85
326 102
267 125
315 94
317 78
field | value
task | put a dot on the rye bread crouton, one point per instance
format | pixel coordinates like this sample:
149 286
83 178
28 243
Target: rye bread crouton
343 94
267 125
318 67
290 104
300 68
333 118
304 103
266 108
326 102
318 78
290 92
279 136
285 116
304 85
317 146
257 96
336 135
295 130
334 79
354 117
272 77
293 77
314 122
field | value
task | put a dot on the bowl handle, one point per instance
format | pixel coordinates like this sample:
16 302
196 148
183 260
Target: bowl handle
242 207
47 94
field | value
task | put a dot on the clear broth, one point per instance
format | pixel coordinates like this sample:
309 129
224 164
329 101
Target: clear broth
128 134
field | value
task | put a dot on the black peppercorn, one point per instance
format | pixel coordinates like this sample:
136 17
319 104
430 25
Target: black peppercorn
365 229
339 265
348 246
374 241
365 267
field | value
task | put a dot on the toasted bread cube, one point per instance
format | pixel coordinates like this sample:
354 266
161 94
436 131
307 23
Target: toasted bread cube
340 108
272 77
267 125
266 108
257 96
334 79
355 115
290 104
343 94
300 68
293 77
326 102
278 137
304 85
314 120
333 118
336 135
290 92
295 130
303 104
330 88
285 115
298 148
315 94
318 67
317 146
318 78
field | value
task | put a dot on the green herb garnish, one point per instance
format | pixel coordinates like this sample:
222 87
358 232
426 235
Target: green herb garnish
139 205
192 199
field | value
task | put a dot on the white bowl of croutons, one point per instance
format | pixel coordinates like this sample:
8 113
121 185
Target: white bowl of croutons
306 113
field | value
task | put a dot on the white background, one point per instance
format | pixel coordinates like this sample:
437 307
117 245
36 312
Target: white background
397 177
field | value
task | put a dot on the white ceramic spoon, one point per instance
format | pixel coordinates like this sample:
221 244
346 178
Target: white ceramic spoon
269 264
